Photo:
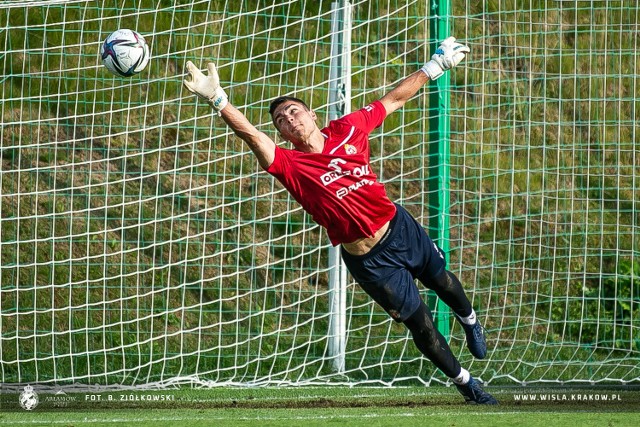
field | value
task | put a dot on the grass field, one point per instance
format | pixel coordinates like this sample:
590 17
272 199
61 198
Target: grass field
141 242
321 406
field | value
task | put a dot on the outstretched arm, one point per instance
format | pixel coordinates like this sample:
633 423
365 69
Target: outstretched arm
262 146
208 88
405 90
447 56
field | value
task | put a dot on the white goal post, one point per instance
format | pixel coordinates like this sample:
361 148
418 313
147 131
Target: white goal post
141 245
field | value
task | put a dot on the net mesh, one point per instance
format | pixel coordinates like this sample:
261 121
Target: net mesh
141 244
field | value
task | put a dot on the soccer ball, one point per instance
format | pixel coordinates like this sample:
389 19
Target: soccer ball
125 53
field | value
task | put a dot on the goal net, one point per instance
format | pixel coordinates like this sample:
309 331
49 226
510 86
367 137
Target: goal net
141 243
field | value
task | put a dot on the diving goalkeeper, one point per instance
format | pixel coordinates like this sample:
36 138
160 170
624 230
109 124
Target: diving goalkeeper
384 248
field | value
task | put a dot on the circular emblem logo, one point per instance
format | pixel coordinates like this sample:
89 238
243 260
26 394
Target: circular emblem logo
28 398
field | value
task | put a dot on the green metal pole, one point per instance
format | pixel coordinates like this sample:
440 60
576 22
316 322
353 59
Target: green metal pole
439 133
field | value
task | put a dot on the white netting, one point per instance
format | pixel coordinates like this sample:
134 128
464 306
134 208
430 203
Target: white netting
141 244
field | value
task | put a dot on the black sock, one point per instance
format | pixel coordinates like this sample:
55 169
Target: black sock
430 341
449 289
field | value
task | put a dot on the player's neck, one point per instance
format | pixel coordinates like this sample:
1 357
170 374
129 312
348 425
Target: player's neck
313 144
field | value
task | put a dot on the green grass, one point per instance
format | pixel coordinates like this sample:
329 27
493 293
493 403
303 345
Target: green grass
321 406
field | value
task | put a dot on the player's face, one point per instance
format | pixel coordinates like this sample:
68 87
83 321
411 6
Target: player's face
294 121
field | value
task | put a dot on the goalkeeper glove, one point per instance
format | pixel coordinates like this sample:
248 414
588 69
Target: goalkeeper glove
206 87
447 56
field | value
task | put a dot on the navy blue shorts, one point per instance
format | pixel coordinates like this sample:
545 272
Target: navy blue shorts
388 271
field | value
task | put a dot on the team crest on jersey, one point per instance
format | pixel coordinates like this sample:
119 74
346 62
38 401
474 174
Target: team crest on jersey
350 149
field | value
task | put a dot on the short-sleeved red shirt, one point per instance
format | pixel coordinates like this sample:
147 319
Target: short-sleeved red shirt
337 187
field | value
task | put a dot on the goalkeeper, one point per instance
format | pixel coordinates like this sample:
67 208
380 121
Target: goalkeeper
382 245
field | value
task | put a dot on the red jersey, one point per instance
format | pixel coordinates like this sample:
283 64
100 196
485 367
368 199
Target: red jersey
337 187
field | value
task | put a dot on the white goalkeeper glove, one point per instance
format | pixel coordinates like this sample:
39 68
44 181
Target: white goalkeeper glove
206 87
447 56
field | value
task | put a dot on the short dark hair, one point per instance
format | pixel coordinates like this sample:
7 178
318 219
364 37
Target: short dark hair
279 100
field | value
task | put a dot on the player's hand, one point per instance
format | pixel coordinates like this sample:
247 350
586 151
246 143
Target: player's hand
448 55
206 87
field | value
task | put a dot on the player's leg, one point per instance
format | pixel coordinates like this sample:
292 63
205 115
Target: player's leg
433 345
433 274
411 248
398 295
385 275
431 342
449 289
427 263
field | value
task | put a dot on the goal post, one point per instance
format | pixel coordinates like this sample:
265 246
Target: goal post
141 244
339 105
439 154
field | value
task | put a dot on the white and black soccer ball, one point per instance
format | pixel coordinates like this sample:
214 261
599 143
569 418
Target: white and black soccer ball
125 53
